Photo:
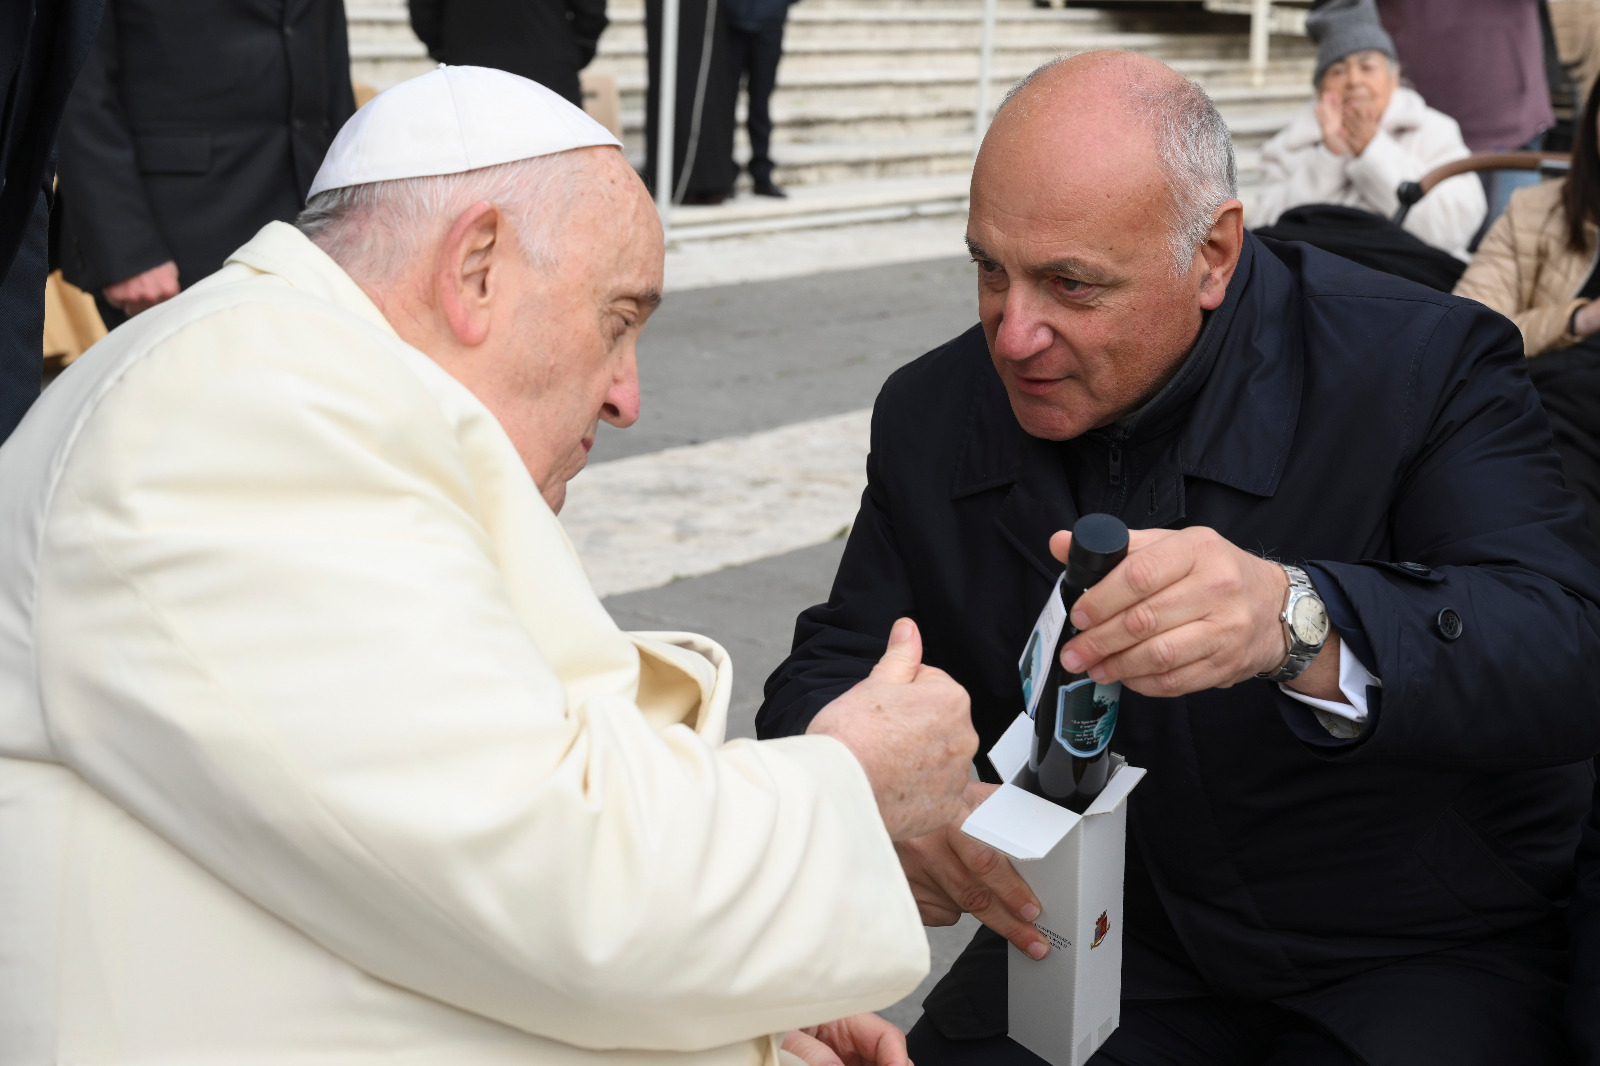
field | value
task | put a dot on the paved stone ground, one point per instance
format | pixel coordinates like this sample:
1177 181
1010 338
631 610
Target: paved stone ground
752 358
737 359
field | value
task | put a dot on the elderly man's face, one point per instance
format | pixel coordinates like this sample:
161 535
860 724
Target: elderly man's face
1084 314
548 348
577 329
1361 77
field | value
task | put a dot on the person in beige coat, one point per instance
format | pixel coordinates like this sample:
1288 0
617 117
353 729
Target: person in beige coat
1537 266
1363 135
316 746
1528 270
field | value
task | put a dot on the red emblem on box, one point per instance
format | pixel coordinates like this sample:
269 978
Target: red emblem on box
1102 926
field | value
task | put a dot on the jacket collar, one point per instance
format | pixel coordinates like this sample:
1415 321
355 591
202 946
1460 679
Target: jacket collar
1243 421
284 252
1245 374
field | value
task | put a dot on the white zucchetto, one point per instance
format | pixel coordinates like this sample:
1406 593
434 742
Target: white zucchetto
452 120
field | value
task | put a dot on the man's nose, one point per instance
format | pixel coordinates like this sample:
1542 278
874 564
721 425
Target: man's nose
1023 332
622 399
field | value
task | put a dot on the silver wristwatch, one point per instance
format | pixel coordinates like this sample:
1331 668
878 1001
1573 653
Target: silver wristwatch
1305 626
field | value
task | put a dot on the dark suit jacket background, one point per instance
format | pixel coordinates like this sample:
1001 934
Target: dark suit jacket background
42 45
1328 415
547 41
194 124
708 157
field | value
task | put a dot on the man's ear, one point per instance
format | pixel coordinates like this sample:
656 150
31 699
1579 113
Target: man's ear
1220 251
466 272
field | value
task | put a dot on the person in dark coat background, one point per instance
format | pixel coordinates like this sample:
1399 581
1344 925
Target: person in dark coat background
1367 861
42 46
193 124
755 47
703 171
547 41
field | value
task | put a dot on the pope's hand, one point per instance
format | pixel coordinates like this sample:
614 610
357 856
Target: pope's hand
1185 611
910 726
950 873
859 1040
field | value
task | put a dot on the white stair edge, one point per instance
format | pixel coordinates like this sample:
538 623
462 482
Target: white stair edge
818 220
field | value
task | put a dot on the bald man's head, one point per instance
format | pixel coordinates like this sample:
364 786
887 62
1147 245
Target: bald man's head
1104 223
1163 111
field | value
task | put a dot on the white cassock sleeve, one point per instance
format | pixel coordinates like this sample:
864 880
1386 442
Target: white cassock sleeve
274 626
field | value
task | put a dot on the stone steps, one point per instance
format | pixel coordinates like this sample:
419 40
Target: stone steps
875 98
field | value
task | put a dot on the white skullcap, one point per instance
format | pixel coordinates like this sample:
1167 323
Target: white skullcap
452 120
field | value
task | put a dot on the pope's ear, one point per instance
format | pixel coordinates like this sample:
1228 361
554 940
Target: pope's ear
465 275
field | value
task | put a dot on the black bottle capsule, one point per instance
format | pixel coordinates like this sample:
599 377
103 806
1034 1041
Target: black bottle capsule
1071 756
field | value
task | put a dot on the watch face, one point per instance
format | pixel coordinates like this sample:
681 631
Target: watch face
1309 620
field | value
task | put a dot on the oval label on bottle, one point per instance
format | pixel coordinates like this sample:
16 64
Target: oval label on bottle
1086 715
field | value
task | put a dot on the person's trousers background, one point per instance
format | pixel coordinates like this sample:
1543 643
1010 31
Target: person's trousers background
754 59
22 321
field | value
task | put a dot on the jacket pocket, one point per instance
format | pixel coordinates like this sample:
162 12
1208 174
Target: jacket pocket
173 153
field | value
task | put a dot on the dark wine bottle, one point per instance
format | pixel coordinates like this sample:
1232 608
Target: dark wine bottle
1071 757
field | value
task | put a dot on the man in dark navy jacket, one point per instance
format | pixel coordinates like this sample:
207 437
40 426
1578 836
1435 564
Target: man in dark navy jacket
1354 843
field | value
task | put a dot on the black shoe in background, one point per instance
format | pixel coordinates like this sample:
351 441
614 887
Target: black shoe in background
768 187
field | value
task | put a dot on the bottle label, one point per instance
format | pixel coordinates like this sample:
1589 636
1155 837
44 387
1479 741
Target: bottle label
1034 666
1086 715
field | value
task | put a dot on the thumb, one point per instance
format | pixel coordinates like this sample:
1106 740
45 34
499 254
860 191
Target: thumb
1060 544
809 1050
904 655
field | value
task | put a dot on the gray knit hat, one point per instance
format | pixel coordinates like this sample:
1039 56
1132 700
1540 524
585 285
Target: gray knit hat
1344 27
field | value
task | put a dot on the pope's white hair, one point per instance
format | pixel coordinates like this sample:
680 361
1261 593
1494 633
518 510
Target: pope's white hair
376 230
1195 151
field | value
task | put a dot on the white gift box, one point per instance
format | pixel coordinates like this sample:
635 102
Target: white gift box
1065 1006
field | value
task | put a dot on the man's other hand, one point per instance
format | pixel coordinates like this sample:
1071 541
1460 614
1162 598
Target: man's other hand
144 291
910 726
859 1040
1185 611
1586 319
952 874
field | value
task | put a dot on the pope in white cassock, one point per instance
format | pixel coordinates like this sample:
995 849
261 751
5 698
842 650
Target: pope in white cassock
316 746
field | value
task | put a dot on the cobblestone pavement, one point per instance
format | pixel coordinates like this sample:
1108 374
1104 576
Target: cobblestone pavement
722 511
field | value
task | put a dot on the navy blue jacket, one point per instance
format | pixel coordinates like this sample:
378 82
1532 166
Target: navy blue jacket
1583 999
1383 434
42 45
